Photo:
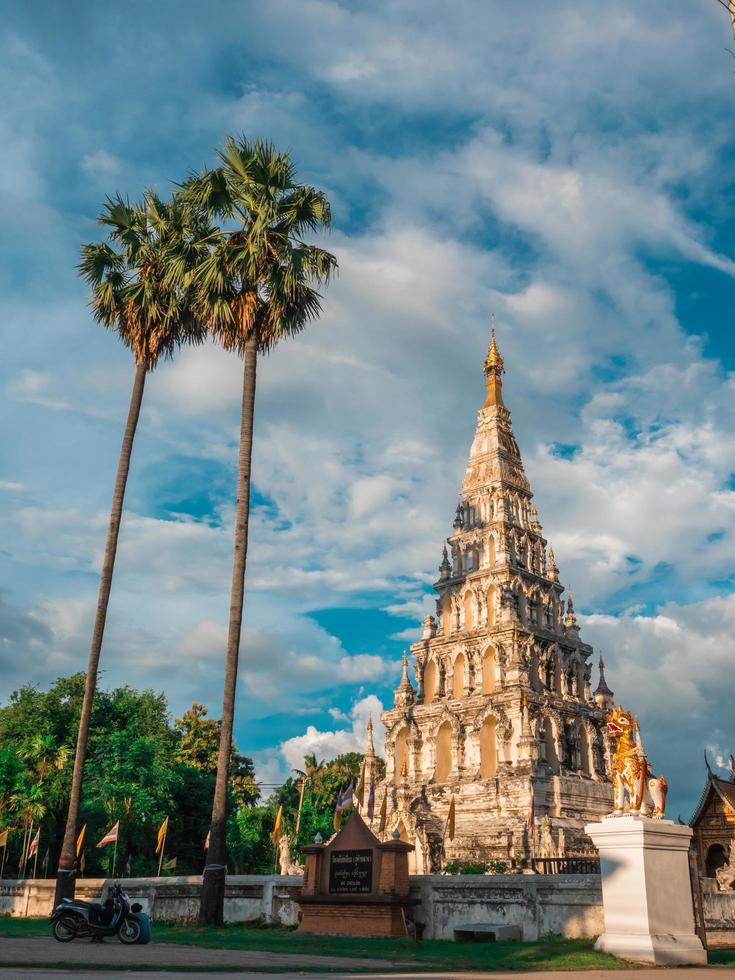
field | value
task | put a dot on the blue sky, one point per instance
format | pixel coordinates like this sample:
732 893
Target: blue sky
569 168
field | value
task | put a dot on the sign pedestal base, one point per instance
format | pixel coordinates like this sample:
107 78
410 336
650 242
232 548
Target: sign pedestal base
356 885
646 892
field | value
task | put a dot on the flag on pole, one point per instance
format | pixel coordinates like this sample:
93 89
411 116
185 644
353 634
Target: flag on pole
83 862
371 800
278 825
451 818
111 835
383 813
170 865
161 835
206 842
531 819
33 846
4 837
80 838
360 791
344 802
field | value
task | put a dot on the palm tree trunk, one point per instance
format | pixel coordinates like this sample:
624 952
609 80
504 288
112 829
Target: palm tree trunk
67 858
211 909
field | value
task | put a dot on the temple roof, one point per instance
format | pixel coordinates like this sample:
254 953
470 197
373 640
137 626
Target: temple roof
724 788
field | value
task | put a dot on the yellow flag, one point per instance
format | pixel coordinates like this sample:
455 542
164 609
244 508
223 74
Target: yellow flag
383 813
360 791
4 838
170 865
450 819
161 835
83 862
80 838
275 836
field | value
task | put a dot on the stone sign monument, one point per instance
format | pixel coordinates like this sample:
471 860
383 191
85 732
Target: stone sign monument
356 885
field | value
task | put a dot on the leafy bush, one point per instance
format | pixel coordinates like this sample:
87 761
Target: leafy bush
475 867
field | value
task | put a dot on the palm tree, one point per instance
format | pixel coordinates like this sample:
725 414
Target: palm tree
256 286
309 774
729 6
134 295
28 803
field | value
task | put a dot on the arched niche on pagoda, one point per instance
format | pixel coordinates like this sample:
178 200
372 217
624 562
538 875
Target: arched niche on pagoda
551 743
586 744
443 752
445 615
400 756
489 665
469 610
491 605
431 681
458 676
489 747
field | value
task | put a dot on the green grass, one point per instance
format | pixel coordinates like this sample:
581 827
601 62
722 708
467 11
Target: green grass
721 957
548 954
556 954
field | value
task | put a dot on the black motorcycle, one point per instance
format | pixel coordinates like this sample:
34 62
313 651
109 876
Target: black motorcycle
74 919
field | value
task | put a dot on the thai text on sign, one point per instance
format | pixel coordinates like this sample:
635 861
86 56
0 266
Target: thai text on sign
351 872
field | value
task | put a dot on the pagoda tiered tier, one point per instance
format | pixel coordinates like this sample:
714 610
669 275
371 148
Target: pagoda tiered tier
502 709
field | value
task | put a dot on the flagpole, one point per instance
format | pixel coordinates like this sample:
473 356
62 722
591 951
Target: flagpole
298 815
26 849
35 858
114 853
163 848
22 854
2 866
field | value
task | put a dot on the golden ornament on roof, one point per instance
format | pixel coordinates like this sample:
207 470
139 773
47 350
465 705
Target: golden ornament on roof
493 361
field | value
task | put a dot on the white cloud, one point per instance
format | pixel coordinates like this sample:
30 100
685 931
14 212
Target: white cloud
670 668
101 164
551 187
328 744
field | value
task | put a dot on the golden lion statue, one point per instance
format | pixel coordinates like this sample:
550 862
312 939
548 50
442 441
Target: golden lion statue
635 788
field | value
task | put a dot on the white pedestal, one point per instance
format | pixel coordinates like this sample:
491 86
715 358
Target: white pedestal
646 894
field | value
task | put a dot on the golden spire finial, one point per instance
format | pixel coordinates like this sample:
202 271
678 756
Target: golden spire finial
370 723
404 770
493 359
494 368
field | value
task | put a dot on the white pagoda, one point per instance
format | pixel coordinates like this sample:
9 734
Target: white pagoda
502 716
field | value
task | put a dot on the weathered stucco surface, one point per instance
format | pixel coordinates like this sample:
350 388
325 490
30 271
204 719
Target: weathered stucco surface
567 905
570 905
173 899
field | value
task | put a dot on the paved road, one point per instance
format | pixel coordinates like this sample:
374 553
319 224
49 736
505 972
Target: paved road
40 950
659 974
83 957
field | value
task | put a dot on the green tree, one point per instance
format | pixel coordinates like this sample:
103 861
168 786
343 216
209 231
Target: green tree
307 777
199 747
132 294
256 286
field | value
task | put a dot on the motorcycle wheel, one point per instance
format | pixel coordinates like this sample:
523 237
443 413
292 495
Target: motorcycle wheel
64 929
129 931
